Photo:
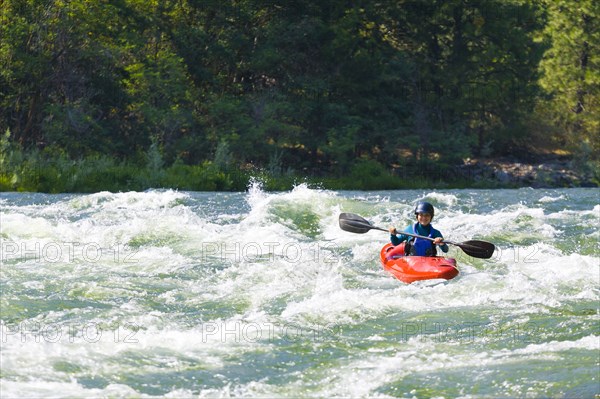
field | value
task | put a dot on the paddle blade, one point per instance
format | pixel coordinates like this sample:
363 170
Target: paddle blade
354 223
477 248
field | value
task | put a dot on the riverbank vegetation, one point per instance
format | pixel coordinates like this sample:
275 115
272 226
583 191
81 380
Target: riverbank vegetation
206 95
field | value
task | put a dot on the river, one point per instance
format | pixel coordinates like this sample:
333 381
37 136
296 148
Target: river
258 294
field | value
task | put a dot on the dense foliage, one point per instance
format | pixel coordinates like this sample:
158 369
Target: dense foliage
320 88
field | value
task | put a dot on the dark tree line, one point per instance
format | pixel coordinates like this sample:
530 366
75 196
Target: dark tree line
310 85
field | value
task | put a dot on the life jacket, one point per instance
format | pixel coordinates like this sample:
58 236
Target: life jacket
420 246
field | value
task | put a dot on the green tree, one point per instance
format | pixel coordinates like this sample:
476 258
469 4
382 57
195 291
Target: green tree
571 73
475 73
323 87
61 75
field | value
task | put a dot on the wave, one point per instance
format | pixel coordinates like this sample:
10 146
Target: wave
207 282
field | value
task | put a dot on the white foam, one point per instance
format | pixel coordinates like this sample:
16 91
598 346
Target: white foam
200 273
446 199
424 357
35 388
548 199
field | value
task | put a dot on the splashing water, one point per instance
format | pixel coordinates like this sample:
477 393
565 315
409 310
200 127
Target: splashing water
181 294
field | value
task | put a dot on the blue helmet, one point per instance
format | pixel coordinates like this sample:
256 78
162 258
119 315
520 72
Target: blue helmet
424 207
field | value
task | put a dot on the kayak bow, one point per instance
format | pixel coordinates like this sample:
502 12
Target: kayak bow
413 268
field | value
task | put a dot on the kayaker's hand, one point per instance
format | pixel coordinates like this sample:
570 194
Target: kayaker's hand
393 231
438 241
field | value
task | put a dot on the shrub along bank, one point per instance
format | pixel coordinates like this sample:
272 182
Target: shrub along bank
52 171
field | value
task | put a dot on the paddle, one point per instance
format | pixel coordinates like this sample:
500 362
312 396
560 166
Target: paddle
475 248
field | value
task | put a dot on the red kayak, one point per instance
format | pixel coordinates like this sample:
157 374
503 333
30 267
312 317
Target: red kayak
413 268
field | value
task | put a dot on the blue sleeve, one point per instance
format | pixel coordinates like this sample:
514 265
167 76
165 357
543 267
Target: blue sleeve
397 239
436 233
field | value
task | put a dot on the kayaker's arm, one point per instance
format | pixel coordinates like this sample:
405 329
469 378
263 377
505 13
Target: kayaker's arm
395 238
440 241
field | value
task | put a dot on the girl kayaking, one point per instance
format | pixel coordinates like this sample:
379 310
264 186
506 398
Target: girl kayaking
418 246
